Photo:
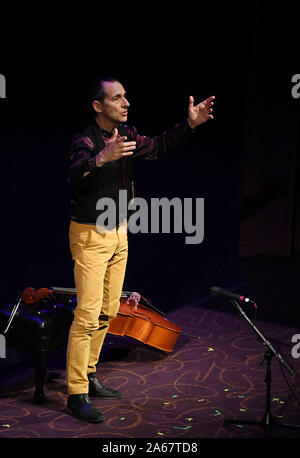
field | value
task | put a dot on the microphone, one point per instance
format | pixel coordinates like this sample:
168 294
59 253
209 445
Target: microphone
231 296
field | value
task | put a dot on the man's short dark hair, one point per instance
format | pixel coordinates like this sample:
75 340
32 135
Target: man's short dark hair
97 91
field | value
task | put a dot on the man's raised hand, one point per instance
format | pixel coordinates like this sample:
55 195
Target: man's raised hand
199 114
115 149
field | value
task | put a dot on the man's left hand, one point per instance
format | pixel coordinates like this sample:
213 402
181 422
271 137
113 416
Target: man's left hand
199 114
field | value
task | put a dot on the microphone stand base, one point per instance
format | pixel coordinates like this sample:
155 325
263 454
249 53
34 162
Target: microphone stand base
267 423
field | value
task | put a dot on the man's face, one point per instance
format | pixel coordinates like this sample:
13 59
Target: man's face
115 105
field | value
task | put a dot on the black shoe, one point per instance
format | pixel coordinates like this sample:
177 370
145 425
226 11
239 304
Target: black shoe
96 389
82 408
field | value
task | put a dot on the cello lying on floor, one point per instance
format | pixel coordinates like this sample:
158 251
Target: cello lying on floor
144 323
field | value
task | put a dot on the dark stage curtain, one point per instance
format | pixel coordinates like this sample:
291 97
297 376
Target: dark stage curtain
270 191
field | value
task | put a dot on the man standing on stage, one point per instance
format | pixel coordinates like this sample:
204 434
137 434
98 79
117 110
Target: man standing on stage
100 166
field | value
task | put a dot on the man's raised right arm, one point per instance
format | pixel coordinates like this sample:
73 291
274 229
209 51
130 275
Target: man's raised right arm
83 162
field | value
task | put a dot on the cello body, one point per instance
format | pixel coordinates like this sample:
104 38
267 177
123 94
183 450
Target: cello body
144 324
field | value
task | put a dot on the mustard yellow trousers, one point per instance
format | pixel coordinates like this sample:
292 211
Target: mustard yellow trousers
99 269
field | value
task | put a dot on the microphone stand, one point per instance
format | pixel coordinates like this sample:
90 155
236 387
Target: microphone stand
268 421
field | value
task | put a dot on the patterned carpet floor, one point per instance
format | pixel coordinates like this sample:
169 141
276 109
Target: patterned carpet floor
187 393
